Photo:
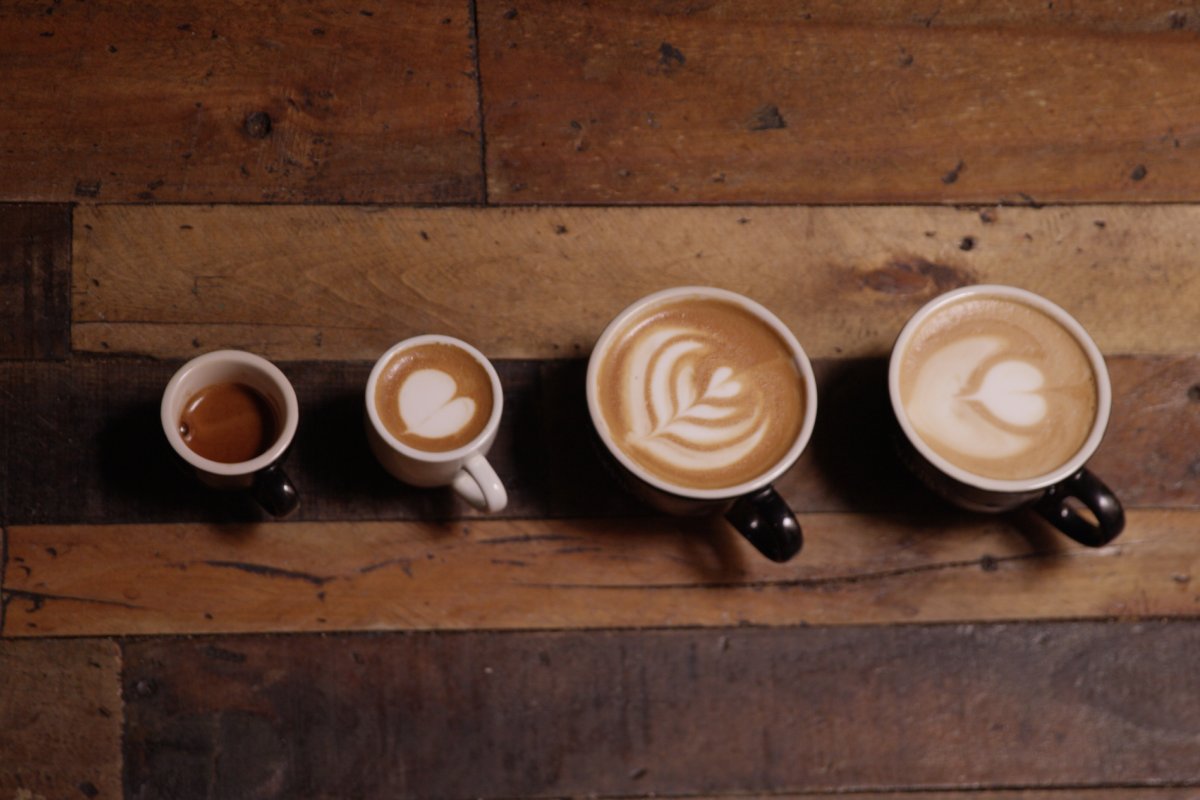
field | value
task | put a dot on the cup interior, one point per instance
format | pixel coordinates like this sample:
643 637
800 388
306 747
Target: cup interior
234 366
1067 322
377 424
610 337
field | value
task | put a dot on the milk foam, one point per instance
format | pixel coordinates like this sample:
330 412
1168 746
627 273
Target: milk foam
681 423
997 419
701 393
998 388
428 405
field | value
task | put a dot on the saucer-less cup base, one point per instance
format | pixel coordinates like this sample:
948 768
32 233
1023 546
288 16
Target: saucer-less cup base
1054 495
754 508
465 469
263 475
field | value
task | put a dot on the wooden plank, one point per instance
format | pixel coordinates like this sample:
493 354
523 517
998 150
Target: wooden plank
82 442
552 574
60 719
332 282
675 713
35 281
768 102
334 102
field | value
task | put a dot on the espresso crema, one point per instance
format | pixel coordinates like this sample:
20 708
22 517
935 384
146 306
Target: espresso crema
700 393
434 397
998 388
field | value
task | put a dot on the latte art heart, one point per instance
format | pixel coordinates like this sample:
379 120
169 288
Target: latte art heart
434 396
998 388
1010 392
429 406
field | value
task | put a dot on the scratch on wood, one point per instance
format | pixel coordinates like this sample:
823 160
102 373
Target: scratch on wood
405 565
38 599
266 571
986 563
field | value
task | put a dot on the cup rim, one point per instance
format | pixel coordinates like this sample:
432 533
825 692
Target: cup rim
290 410
1060 315
801 359
431 456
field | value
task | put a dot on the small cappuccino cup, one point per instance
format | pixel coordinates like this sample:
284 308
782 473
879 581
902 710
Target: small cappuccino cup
231 416
1001 397
433 406
702 398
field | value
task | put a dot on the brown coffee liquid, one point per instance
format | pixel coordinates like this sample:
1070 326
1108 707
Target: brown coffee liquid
228 422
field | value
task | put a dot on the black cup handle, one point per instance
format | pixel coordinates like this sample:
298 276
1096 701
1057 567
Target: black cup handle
275 492
767 522
1091 491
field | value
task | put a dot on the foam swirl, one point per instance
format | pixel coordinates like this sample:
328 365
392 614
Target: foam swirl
686 411
976 400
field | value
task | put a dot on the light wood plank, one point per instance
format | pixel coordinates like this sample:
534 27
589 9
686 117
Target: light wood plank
768 102
60 719
855 569
725 712
335 282
239 102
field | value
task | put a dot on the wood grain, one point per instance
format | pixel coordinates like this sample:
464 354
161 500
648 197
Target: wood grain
60 719
652 713
82 442
766 102
331 282
635 572
35 281
335 102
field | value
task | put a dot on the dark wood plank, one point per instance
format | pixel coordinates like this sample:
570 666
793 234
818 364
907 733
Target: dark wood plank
679 713
336 282
83 443
766 102
336 102
35 281
60 719
855 569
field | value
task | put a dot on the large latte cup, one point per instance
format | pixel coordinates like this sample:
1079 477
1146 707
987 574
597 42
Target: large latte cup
702 398
1002 397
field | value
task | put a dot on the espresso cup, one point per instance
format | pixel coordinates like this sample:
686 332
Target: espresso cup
433 406
702 398
231 416
1001 398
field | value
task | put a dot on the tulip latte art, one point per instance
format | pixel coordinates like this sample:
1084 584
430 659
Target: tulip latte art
998 388
434 397
701 393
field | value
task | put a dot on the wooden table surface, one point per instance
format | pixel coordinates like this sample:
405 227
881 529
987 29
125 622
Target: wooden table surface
315 181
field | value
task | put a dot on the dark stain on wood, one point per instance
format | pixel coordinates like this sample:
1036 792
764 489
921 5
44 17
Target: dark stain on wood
670 56
916 276
952 176
767 118
1139 172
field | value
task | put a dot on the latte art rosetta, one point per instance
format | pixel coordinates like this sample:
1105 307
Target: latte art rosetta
685 414
700 393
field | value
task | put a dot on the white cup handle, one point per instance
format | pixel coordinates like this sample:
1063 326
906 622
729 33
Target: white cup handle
479 485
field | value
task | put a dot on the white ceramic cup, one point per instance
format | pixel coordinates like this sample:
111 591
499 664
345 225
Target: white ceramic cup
1052 494
465 469
753 507
262 475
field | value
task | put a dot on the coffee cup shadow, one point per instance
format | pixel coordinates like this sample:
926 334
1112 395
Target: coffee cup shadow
856 451
144 480
343 477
